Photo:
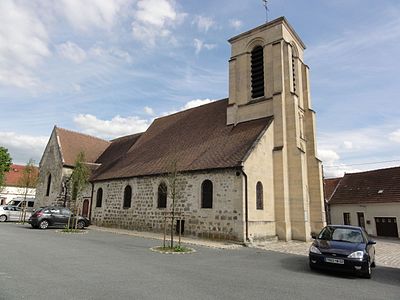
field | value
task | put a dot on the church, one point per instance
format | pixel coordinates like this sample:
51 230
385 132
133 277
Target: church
245 167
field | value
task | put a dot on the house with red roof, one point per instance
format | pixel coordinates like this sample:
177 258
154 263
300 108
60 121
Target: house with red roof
246 166
369 199
13 187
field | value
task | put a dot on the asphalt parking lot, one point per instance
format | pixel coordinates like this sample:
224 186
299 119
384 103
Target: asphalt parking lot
47 264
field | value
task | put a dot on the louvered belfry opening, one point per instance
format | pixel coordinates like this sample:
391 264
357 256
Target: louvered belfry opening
257 72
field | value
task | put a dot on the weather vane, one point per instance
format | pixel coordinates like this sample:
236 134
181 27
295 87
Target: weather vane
265 3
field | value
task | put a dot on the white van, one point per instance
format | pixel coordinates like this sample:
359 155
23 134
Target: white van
19 202
12 213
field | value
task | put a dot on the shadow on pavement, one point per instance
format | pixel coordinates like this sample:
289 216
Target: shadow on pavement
380 274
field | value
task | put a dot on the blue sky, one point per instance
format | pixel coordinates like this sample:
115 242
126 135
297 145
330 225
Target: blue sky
108 68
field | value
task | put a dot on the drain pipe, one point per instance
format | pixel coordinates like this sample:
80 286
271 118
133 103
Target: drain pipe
246 206
91 202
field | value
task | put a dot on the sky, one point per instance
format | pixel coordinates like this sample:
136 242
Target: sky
109 67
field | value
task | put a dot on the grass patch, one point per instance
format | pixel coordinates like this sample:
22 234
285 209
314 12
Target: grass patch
71 230
176 249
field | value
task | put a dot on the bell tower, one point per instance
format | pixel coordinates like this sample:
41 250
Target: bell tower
268 77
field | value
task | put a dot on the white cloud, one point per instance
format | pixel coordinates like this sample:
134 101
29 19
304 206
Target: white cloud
236 24
76 87
348 144
117 126
149 111
328 156
203 23
199 45
120 126
23 45
188 105
110 53
395 136
154 19
196 102
72 51
332 166
87 14
23 147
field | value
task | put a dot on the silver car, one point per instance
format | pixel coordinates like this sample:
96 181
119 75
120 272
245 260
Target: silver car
12 213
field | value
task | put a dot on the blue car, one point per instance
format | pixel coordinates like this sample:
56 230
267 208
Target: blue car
344 248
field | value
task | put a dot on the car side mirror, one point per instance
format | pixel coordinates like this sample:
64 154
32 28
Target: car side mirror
371 242
313 235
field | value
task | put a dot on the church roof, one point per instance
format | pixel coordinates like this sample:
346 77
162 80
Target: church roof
71 143
330 185
377 186
194 139
118 147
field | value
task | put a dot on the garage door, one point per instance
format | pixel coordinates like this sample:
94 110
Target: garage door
386 226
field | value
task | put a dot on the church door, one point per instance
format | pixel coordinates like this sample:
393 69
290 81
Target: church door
85 208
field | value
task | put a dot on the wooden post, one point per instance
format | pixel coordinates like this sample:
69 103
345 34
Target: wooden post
165 228
180 230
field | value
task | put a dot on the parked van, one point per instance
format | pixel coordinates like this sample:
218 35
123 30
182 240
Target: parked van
12 213
19 202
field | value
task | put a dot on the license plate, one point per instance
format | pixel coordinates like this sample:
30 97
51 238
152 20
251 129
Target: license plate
334 260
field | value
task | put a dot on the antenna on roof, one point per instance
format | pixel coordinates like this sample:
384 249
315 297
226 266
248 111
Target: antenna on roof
265 3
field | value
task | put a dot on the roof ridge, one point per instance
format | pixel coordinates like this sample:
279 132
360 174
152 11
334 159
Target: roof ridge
188 109
371 171
84 134
125 136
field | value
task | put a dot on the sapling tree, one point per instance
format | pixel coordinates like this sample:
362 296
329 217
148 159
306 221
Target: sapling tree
78 181
27 181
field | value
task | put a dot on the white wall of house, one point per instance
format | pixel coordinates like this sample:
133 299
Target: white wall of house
11 192
370 210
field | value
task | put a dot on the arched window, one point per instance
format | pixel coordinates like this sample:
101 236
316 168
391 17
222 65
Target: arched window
162 195
259 196
206 194
99 197
48 185
127 196
257 72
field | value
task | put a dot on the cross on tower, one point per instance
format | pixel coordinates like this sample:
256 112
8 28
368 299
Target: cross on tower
265 3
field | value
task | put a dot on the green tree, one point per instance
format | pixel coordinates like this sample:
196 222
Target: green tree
174 191
28 181
5 164
78 181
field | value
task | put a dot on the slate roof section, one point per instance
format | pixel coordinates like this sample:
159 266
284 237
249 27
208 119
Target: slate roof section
197 139
118 148
13 177
330 186
377 186
71 143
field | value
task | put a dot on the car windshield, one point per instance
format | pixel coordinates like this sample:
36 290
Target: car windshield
341 235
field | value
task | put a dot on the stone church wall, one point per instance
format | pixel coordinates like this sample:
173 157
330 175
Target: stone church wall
259 168
223 221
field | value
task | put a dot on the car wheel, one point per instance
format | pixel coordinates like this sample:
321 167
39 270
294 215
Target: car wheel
44 224
3 218
312 267
80 225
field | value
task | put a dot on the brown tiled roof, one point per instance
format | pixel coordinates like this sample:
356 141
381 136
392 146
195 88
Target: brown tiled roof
13 177
197 139
378 186
72 143
330 185
118 147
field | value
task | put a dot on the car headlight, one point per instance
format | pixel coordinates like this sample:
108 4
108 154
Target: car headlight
315 250
357 254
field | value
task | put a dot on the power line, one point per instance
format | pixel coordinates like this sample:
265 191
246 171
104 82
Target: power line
362 164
